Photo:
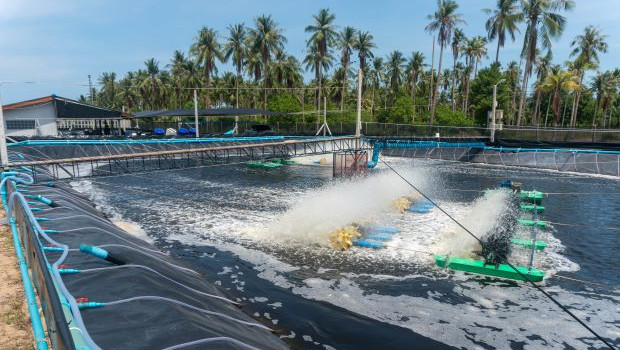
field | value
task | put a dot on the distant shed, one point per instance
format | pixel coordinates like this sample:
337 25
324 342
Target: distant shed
47 116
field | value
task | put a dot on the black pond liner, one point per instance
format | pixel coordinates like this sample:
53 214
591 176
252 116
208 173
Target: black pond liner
144 323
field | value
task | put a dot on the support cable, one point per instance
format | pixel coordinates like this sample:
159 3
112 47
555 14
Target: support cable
523 276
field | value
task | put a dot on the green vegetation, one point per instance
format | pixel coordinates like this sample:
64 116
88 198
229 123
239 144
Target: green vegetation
398 88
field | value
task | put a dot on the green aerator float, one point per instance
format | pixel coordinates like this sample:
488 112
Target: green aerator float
532 208
263 165
479 267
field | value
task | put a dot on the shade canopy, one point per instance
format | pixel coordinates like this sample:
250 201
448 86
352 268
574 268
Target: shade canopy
210 112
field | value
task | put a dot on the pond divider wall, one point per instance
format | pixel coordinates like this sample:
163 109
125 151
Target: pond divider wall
602 162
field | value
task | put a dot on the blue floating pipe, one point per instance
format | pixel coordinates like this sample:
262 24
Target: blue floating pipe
68 271
33 309
230 132
42 219
384 229
53 249
42 199
367 244
379 237
50 231
101 254
505 184
145 141
381 144
90 305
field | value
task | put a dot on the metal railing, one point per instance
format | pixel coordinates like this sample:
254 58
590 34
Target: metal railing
113 164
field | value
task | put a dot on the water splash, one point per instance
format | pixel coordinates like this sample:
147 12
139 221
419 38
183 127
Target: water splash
318 213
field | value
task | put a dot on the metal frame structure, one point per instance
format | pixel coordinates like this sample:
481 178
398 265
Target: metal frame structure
106 165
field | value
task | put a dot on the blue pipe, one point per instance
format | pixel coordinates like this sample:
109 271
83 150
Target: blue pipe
367 244
64 294
381 144
56 275
33 308
146 141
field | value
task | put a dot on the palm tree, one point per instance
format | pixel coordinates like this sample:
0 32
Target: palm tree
586 47
346 41
443 21
265 40
107 94
394 69
513 70
543 23
364 45
473 50
377 75
176 64
151 83
543 68
606 87
556 83
457 41
504 20
235 48
206 50
415 65
322 38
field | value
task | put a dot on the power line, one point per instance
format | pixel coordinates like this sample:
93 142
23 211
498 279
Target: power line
523 276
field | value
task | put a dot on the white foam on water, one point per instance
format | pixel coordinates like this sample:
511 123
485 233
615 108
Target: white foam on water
103 204
467 314
316 214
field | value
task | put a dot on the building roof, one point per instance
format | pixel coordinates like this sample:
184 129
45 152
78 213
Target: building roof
211 112
67 108
28 103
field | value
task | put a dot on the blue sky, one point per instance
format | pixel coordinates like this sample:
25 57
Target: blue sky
57 44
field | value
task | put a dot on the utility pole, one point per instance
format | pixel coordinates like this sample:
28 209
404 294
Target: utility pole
4 155
90 90
196 114
494 109
358 123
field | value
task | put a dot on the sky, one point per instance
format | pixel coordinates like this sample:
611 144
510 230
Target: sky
51 47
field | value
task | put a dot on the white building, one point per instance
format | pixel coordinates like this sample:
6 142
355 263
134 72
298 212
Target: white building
54 115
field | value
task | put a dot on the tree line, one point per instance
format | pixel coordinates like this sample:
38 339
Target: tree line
532 90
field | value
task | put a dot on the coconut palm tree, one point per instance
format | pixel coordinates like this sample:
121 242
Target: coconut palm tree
175 65
206 50
473 50
107 94
543 23
377 75
322 38
504 20
151 83
443 21
364 45
265 39
605 85
394 67
415 65
457 41
235 48
556 83
346 41
586 47
543 68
